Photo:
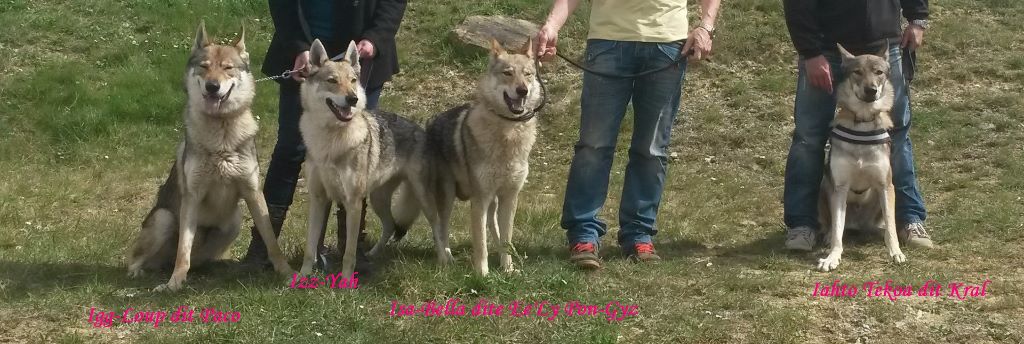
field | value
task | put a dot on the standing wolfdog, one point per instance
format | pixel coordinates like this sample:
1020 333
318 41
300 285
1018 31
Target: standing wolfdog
196 216
481 151
857 189
353 153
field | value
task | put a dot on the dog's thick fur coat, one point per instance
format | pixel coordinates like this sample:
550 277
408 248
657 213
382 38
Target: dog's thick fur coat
196 216
354 153
481 151
857 190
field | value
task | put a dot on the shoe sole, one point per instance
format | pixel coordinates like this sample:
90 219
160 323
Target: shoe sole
587 264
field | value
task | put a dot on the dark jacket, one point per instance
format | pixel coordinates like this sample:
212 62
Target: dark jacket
373 20
861 26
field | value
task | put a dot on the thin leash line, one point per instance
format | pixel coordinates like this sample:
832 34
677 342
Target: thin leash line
682 56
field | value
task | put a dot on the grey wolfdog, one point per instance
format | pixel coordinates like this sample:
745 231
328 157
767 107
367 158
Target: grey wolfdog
353 153
196 216
857 190
481 151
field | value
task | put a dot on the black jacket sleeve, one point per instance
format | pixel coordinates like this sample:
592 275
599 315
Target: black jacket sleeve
914 9
285 14
386 19
803 27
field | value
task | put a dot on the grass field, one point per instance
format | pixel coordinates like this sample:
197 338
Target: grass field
90 102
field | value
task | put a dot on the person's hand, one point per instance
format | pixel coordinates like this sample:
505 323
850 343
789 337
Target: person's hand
699 40
366 49
546 41
913 37
819 72
301 66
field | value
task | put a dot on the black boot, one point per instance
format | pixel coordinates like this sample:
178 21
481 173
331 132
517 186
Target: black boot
256 256
363 264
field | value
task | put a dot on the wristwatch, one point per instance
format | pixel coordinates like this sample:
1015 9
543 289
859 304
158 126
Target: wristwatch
922 23
709 29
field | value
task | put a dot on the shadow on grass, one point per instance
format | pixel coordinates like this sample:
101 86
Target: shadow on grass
773 244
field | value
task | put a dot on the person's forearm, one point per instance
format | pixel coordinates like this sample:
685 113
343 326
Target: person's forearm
560 11
709 12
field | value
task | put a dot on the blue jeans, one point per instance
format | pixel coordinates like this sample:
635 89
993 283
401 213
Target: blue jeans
655 100
813 113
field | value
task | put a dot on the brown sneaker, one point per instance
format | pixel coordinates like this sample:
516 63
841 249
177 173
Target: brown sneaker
644 252
584 255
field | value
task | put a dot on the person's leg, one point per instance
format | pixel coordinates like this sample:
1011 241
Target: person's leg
910 209
373 97
285 163
655 105
602 104
813 112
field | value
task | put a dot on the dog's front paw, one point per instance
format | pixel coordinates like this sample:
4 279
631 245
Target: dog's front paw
172 285
898 258
828 263
446 257
135 273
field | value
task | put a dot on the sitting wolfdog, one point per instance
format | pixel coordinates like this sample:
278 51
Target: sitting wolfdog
857 189
196 216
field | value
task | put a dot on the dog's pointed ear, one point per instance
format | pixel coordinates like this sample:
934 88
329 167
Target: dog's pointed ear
317 54
240 45
496 48
352 55
884 53
202 40
528 48
846 54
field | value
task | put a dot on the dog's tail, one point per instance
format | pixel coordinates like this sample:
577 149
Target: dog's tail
405 209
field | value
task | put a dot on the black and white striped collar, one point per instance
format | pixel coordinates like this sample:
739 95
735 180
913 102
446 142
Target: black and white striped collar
873 137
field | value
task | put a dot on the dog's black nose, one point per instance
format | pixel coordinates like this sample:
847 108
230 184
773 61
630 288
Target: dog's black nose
522 91
351 100
870 90
212 86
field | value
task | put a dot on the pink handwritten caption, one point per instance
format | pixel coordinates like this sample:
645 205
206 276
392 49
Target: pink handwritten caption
611 311
183 314
332 281
931 288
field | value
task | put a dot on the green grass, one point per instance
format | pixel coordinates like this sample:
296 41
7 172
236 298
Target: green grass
90 102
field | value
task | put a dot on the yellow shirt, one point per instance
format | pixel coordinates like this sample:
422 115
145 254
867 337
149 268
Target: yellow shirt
639 20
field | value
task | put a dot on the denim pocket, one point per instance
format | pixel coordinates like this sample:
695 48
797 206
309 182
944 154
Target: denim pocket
671 49
596 47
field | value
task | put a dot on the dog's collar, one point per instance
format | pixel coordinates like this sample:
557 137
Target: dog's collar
857 137
522 118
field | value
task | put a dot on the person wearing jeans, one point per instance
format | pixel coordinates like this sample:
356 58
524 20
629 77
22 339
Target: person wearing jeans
862 27
625 38
373 24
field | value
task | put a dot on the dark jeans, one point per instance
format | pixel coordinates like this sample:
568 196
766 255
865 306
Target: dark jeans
813 113
290 152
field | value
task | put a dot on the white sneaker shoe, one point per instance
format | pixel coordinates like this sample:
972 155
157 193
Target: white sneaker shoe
800 239
917 235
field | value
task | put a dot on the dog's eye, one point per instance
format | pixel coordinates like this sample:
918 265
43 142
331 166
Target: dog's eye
332 80
354 80
878 72
204 64
507 72
229 67
857 72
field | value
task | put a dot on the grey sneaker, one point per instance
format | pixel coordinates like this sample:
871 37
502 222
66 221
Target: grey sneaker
800 239
918 236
